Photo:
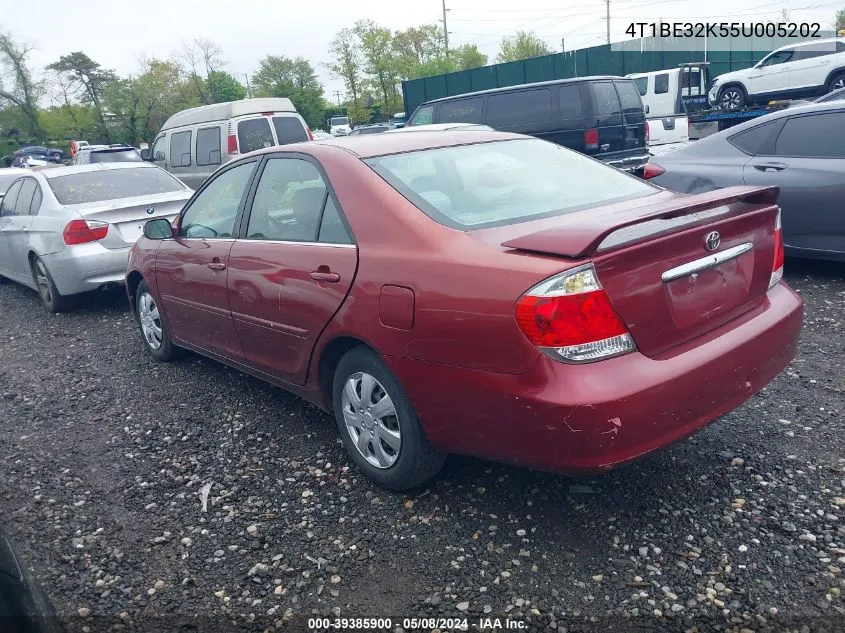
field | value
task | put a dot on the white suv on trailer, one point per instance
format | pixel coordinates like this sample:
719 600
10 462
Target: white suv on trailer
808 69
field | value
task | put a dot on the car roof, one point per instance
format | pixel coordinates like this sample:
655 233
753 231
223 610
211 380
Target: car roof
228 110
443 127
371 145
55 172
814 42
538 84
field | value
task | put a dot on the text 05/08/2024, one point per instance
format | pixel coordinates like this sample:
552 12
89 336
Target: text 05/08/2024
801 30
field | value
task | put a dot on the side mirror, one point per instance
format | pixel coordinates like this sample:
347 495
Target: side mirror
158 229
146 155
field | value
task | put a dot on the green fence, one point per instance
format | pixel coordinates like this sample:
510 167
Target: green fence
635 56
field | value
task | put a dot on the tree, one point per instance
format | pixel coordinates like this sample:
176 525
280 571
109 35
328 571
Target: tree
18 89
88 79
418 46
347 65
522 45
380 61
468 56
840 20
280 76
222 87
200 58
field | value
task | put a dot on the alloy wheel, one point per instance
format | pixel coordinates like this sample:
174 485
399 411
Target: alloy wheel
839 83
150 320
371 420
731 99
43 282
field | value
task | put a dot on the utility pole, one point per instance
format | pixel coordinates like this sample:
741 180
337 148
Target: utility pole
445 29
562 46
607 2
337 94
248 89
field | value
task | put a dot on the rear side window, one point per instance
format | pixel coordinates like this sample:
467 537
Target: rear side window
289 129
661 84
812 136
569 98
208 146
642 85
36 201
757 140
607 101
180 149
461 111
520 107
254 134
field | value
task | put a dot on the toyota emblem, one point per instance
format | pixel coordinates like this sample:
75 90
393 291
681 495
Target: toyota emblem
712 241
151 210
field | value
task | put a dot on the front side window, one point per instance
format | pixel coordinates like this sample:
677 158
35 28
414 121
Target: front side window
158 149
208 146
180 149
461 111
288 202
810 136
504 182
112 184
213 211
779 57
508 109
7 207
423 116
254 134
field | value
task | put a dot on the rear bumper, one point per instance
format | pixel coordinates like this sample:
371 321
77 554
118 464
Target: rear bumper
85 267
587 418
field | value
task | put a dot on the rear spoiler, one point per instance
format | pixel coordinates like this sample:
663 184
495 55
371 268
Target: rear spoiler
581 234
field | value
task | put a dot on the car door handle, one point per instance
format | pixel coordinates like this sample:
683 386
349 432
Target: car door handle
216 265
330 277
770 166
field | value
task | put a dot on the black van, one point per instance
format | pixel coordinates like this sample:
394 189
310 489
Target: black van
602 117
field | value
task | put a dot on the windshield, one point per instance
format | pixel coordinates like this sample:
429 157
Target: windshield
121 156
339 120
504 182
112 184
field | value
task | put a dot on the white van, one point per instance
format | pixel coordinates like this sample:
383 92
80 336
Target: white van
193 143
665 95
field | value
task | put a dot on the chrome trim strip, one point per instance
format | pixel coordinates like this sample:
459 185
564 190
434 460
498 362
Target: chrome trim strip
706 263
247 240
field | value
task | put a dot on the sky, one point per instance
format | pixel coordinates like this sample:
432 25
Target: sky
117 33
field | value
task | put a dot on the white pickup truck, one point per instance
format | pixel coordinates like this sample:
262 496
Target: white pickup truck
665 95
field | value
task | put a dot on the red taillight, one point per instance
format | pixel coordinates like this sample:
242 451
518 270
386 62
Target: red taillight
570 318
591 138
233 144
310 133
647 133
84 231
651 170
777 265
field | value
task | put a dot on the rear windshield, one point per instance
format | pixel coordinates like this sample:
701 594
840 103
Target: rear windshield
120 156
254 134
112 184
504 182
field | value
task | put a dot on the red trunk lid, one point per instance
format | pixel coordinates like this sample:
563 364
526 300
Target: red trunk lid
664 279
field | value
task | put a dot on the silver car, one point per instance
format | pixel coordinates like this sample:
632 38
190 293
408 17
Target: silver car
68 230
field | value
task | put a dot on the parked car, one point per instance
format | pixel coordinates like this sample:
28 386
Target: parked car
800 70
836 95
38 150
107 154
399 119
473 292
9 175
442 127
602 117
195 142
798 149
376 128
68 230
24 607
339 126
319 135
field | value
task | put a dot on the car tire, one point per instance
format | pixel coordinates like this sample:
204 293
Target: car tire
154 332
52 299
732 98
836 82
394 450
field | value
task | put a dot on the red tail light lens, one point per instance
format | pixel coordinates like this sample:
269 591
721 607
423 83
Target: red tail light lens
233 144
591 138
84 231
647 133
570 318
651 170
777 266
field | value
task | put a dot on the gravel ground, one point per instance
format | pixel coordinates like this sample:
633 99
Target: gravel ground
106 457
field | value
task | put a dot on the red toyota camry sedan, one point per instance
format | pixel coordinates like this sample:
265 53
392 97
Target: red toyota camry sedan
474 292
